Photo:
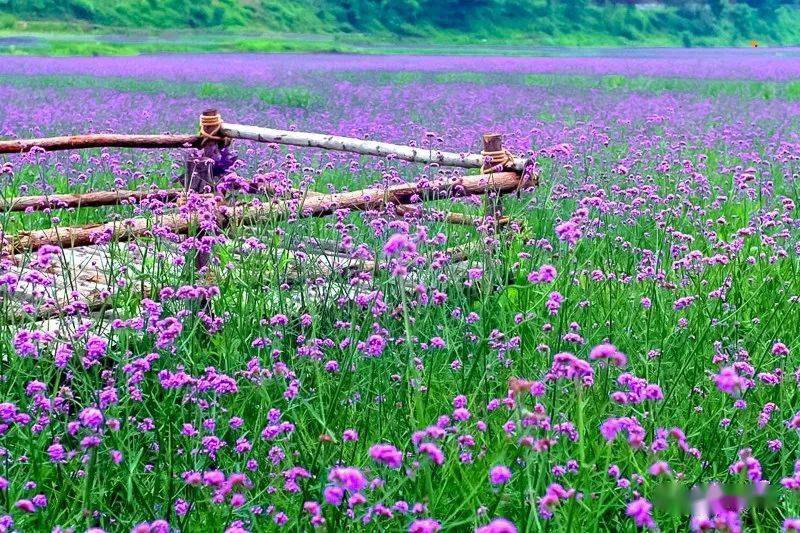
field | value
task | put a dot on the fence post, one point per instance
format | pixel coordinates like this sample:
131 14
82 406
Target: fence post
492 144
200 170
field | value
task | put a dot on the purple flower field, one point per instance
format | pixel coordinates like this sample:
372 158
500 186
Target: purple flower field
736 63
622 355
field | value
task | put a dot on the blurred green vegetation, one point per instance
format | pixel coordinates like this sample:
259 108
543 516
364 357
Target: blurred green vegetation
68 45
357 23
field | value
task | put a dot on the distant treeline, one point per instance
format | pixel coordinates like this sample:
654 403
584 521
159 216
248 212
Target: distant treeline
684 22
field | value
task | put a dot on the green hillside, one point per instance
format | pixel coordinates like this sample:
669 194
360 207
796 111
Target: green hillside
564 22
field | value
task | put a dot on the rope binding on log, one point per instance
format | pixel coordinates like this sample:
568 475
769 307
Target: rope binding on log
499 158
210 126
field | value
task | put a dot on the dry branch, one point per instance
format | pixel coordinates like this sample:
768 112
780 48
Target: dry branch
99 140
89 199
105 198
359 146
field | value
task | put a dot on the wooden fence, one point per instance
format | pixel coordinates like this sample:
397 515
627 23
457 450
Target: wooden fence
500 173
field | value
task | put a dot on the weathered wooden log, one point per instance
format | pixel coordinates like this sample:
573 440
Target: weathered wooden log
99 140
62 326
70 237
87 199
404 193
452 217
106 198
360 146
110 198
311 206
293 192
86 274
469 220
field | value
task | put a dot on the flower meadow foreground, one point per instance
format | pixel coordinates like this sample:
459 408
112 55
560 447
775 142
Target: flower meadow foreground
622 355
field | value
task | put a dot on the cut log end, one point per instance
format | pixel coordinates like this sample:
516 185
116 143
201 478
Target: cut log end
492 142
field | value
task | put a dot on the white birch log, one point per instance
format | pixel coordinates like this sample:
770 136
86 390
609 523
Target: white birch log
360 146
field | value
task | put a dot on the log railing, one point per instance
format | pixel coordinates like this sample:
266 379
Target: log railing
264 135
360 146
99 140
